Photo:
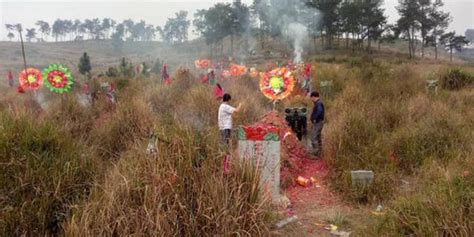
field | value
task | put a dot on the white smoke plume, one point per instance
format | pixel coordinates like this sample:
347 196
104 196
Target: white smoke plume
292 18
41 100
298 33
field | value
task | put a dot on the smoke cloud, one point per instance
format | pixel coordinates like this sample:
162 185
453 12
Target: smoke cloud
298 33
41 100
290 17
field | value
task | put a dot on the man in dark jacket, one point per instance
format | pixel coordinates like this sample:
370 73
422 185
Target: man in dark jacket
317 119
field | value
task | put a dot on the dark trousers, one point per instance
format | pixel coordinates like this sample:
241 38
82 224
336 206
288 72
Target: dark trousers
225 137
316 140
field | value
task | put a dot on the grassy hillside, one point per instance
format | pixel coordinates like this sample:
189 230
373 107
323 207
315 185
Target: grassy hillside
103 54
81 169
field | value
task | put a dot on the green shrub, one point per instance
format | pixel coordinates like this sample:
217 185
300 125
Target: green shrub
112 72
455 79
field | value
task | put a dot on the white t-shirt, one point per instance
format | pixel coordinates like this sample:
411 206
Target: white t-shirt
225 116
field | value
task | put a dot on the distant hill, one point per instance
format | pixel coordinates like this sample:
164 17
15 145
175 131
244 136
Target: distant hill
103 54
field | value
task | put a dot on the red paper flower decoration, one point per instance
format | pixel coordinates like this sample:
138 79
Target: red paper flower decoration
277 84
31 79
202 63
237 70
20 90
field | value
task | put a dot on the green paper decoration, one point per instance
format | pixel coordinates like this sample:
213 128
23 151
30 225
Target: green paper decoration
58 78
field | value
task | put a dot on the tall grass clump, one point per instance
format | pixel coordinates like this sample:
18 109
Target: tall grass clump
169 195
443 207
115 131
432 138
43 171
357 138
68 113
455 79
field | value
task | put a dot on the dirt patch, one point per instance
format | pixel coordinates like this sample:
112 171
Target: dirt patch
313 204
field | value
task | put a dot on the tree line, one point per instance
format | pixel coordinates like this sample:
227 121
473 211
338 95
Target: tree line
175 30
356 24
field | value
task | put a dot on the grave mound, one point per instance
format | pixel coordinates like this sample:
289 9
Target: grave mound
294 155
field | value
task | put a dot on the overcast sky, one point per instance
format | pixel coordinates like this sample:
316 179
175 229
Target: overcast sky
157 11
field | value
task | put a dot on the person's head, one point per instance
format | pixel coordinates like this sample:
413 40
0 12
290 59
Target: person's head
226 97
314 96
219 86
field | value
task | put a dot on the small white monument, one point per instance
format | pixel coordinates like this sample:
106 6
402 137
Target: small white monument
260 144
362 178
432 86
326 88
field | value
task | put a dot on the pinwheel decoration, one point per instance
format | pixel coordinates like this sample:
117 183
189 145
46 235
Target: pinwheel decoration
202 63
237 70
30 79
277 84
58 78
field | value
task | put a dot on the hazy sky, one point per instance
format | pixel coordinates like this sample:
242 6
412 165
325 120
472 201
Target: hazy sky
157 11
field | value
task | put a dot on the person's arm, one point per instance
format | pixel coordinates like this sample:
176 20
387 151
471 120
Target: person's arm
314 114
238 108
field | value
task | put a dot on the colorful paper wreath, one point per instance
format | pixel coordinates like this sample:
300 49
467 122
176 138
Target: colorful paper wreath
58 78
202 63
31 79
237 70
277 84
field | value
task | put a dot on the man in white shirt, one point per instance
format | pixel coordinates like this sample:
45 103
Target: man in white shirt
225 118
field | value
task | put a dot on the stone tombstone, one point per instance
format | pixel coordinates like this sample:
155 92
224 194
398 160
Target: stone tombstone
326 88
362 178
260 144
432 86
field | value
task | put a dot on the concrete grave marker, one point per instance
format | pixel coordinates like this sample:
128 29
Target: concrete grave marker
362 178
260 144
326 88
432 86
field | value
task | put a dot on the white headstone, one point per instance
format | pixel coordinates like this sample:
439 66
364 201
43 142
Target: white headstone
362 178
265 155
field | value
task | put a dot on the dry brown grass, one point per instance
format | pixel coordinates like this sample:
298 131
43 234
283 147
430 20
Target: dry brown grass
169 195
378 109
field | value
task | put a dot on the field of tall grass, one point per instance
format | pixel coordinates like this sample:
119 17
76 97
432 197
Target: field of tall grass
418 144
77 170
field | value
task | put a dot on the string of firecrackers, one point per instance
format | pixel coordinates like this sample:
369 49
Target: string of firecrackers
260 132
202 63
31 79
58 78
277 84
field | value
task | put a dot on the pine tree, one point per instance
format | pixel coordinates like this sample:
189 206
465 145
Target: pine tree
408 23
451 42
85 64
